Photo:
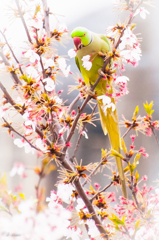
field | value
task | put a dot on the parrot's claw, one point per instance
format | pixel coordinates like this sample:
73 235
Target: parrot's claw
101 73
90 92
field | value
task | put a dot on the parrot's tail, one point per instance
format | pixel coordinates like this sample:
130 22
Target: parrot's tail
109 125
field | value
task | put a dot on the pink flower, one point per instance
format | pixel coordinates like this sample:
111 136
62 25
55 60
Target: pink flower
144 178
68 144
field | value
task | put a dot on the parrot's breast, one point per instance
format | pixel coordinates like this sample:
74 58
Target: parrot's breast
97 45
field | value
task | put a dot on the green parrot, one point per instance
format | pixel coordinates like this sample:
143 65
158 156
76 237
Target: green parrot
90 43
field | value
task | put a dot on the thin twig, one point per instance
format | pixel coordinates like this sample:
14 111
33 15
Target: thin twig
155 136
127 132
46 17
80 136
11 101
95 169
23 21
73 103
13 130
13 74
11 51
103 190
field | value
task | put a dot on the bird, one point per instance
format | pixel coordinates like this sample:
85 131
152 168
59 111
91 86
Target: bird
88 43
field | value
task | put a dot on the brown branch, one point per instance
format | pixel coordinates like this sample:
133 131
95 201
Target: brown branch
95 169
23 21
153 131
127 132
73 103
80 136
8 97
46 17
11 51
13 74
13 130
11 101
103 190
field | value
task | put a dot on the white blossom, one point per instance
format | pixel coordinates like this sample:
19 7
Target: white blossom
64 192
28 148
63 66
86 63
2 112
80 204
32 56
142 11
18 168
72 53
19 142
106 103
128 39
40 144
50 85
46 63
93 230
30 123
84 134
121 79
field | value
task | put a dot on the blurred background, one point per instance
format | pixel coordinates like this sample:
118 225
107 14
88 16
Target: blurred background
143 86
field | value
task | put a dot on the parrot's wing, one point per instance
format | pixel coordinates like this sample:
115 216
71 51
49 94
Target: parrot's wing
104 38
77 63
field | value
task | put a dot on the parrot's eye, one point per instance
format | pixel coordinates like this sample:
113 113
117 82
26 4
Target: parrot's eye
84 34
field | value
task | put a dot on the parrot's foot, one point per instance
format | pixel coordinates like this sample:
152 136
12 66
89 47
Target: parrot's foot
90 92
101 73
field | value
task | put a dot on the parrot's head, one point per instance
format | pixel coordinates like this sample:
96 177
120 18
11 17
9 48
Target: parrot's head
81 37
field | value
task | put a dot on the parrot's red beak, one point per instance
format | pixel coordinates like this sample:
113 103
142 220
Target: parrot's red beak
77 42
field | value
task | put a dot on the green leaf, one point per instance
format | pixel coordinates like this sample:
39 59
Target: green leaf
148 108
137 225
22 195
136 176
126 169
135 113
136 159
25 78
131 167
116 154
123 146
117 220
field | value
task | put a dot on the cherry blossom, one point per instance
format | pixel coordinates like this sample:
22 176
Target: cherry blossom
19 169
64 192
142 11
84 134
122 79
86 63
46 63
106 103
32 56
50 86
128 39
72 53
93 230
62 65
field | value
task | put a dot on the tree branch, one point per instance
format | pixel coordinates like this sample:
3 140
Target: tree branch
13 74
23 21
103 190
11 51
46 17
13 130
